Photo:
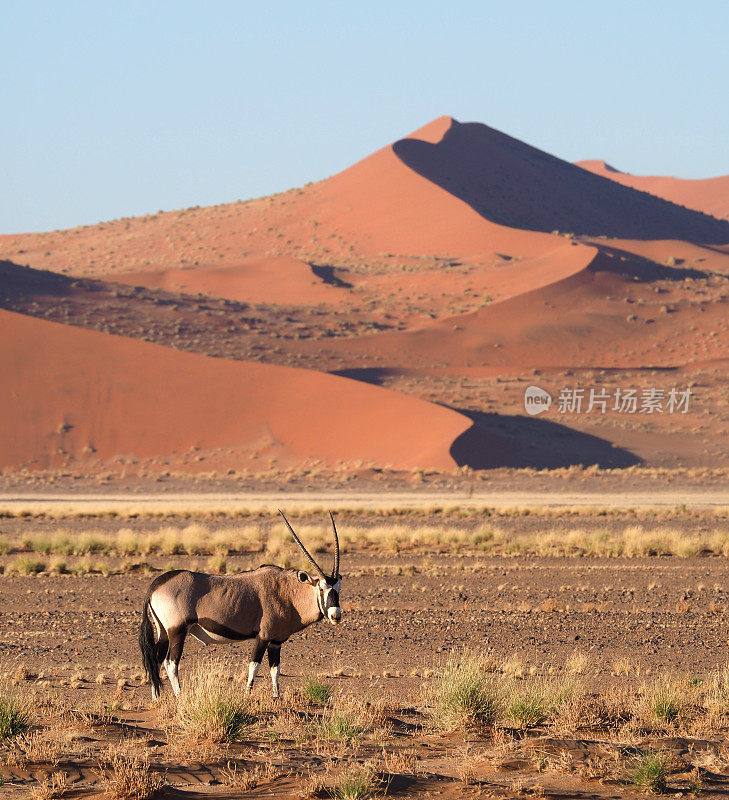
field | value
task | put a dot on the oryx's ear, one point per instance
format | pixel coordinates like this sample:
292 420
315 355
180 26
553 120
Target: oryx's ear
304 577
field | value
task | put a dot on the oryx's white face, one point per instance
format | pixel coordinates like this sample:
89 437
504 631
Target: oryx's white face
328 589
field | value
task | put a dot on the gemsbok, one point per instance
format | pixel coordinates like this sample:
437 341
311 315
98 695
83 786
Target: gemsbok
267 605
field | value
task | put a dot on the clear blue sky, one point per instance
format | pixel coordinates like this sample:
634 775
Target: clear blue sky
118 109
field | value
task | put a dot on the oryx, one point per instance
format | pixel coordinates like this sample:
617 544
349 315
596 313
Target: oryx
267 605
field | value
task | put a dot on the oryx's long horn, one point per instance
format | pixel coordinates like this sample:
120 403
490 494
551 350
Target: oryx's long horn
301 546
335 572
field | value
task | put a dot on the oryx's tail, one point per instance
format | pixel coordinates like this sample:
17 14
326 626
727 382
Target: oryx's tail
149 648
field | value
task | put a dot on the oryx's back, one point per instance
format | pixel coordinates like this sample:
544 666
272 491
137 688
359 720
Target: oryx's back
229 606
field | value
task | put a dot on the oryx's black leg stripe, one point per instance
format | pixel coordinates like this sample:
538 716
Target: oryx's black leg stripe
274 654
258 650
177 643
163 645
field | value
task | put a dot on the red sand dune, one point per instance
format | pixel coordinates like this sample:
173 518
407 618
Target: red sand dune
710 195
514 184
449 190
283 280
73 394
582 318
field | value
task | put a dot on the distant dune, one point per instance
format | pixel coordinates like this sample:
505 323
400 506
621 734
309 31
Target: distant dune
77 396
513 184
454 264
710 195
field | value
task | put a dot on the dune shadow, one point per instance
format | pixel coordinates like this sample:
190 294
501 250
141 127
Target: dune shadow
374 375
499 440
511 183
328 276
18 282
644 270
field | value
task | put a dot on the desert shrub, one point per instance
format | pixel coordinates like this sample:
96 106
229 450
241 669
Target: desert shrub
467 692
315 691
210 707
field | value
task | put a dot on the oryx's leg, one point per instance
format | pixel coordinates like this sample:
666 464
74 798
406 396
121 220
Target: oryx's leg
174 654
259 648
161 647
274 662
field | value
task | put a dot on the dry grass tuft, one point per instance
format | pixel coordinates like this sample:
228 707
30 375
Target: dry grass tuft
50 788
211 707
129 778
467 692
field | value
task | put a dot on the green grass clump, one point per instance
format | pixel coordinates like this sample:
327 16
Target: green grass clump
347 719
529 708
340 726
14 715
315 691
650 770
467 692
357 783
669 698
535 701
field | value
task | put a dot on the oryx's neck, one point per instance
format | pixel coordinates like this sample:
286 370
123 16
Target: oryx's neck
306 603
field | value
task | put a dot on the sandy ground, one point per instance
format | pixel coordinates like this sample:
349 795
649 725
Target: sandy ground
402 616
670 613
16 502
73 638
